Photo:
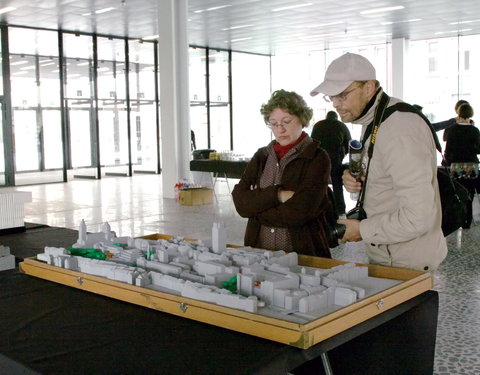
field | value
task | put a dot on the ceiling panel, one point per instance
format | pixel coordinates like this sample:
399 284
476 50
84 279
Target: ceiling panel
259 26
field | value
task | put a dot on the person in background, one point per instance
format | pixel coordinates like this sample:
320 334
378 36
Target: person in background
442 125
283 191
463 146
402 203
334 136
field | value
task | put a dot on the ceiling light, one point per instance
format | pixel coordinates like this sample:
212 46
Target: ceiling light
448 32
380 10
83 63
48 63
213 8
291 7
237 40
236 27
100 11
19 62
6 9
104 10
461 22
391 23
20 72
151 37
27 67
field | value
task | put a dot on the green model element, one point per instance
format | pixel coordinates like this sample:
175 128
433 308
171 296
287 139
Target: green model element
231 284
88 253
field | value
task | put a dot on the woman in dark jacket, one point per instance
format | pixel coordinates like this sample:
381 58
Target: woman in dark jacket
283 191
463 145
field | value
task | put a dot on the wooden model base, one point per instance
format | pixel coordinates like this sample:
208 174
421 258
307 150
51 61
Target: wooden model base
299 335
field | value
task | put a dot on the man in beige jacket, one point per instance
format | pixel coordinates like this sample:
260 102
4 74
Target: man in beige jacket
402 202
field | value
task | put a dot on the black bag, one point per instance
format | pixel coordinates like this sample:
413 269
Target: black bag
334 231
454 196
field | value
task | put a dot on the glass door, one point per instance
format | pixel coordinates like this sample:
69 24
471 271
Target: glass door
112 108
79 101
143 108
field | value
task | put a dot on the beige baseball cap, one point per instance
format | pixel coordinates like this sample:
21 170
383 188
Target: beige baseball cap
342 72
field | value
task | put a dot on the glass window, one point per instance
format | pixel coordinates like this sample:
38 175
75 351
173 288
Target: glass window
36 106
198 97
2 149
219 101
143 114
251 88
432 77
302 72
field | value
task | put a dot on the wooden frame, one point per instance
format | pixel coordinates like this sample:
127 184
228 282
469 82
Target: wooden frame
299 335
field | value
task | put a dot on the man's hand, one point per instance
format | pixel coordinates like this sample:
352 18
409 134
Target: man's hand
350 183
284 195
352 230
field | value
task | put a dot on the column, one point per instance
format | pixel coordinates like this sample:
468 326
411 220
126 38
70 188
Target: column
174 98
399 59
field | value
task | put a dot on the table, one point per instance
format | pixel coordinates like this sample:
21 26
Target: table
51 329
220 168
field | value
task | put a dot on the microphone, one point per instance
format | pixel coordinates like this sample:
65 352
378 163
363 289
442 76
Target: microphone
355 162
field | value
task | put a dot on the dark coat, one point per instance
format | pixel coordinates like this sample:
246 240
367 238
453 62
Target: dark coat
303 214
463 144
333 136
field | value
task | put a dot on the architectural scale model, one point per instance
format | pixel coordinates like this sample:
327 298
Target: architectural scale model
7 260
270 283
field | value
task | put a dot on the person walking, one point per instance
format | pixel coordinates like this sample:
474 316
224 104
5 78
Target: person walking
334 136
463 146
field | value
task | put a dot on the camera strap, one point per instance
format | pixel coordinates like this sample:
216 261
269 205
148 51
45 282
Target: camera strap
372 130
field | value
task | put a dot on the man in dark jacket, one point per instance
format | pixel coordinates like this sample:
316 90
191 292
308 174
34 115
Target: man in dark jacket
334 136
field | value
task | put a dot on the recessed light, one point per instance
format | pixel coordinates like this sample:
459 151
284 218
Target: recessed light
452 31
150 37
236 27
405 21
6 9
462 22
213 8
292 7
19 62
237 40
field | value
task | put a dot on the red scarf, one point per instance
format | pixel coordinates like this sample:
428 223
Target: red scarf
282 150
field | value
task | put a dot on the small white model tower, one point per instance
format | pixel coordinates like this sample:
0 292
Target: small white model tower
219 238
82 235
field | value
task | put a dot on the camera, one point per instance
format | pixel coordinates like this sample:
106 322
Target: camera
357 213
335 232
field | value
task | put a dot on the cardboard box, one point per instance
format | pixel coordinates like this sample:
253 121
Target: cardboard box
196 196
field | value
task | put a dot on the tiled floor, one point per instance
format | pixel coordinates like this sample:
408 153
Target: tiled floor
134 206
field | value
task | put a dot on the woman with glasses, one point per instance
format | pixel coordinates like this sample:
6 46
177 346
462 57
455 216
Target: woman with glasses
283 191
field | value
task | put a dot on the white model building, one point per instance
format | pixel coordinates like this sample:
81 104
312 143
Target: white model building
7 260
267 282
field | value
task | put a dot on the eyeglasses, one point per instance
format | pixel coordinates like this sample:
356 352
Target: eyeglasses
340 97
285 123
